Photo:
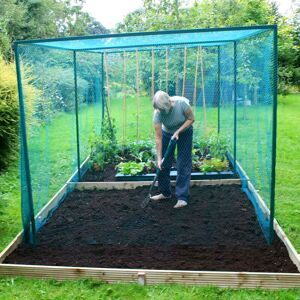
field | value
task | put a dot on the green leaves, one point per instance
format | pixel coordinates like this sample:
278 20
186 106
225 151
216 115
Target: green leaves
210 153
104 147
131 168
214 165
9 114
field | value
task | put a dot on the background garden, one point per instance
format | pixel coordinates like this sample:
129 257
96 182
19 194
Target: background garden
19 21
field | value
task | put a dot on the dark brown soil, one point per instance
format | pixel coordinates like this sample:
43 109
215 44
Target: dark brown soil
217 231
93 176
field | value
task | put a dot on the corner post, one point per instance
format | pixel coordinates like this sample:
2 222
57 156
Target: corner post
219 88
29 237
76 113
274 136
102 84
235 104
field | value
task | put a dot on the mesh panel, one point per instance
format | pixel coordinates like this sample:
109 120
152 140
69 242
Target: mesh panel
51 125
89 99
227 92
255 96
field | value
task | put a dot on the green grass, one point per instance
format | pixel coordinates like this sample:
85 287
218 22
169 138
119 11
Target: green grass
24 289
10 215
287 207
288 167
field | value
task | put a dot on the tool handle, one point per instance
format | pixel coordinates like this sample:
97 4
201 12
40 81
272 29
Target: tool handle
169 151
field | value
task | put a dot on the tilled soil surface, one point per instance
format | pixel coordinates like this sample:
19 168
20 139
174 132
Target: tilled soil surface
217 231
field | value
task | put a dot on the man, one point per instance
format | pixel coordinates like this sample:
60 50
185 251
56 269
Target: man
173 119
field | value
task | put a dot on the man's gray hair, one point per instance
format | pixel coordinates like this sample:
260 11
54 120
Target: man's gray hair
161 101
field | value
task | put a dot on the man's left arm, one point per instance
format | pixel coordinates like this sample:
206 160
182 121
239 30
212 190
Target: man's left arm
189 121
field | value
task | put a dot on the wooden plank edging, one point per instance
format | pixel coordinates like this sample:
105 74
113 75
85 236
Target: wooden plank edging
109 275
133 184
11 247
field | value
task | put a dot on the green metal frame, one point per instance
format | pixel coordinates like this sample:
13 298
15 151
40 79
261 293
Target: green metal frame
273 171
29 237
235 108
102 85
76 113
219 87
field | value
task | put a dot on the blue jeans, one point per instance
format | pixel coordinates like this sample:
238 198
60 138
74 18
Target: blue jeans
183 164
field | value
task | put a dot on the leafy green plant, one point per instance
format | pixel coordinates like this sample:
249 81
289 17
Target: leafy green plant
130 168
218 146
213 145
196 164
201 147
214 165
104 147
141 151
150 166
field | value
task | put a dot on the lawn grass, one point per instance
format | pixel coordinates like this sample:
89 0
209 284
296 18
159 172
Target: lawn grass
287 213
19 288
10 214
288 167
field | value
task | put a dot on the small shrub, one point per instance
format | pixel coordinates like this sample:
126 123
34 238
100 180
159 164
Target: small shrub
9 112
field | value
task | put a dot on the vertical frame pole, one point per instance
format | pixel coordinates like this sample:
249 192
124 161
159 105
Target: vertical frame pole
219 88
235 100
102 85
167 70
76 113
274 137
25 152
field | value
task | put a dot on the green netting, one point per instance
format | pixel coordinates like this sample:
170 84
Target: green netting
212 37
228 76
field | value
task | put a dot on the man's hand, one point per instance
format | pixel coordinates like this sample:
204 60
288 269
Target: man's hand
175 135
159 161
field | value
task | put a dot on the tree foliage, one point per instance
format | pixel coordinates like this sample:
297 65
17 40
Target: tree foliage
31 19
174 14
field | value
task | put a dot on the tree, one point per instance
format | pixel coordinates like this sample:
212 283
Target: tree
96 27
31 19
171 14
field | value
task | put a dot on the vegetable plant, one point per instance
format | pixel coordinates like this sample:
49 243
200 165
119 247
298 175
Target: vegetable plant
141 151
214 165
218 146
131 167
104 147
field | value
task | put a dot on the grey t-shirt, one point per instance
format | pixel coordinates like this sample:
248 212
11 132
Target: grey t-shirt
172 120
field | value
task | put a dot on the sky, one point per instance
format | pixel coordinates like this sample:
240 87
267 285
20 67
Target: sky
110 12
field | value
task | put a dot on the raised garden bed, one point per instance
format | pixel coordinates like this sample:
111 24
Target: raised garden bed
173 175
108 229
136 161
110 174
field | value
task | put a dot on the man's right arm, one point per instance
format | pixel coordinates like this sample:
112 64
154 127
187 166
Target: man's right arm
158 140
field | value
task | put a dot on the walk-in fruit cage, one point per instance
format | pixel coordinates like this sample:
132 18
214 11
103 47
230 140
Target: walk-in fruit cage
229 75
86 110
